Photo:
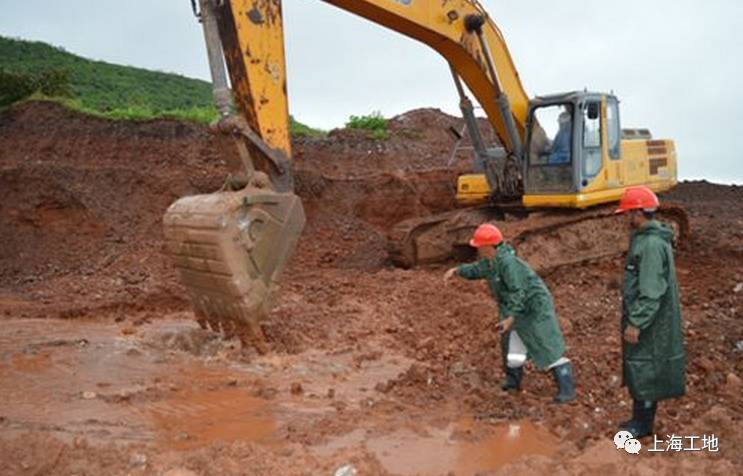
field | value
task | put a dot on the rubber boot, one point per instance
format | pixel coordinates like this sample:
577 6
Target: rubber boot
513 379
643 418
635 417
565 384
636 407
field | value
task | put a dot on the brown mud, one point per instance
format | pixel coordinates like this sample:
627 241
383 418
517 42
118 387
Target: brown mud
104 371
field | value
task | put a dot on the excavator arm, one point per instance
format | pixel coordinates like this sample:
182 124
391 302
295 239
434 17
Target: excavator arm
460 30
230 247
465 35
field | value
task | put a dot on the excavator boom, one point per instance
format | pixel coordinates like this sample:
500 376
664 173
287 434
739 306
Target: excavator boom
460 30
465 35
230 247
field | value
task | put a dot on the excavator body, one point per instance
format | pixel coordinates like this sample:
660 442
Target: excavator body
584 159
558 152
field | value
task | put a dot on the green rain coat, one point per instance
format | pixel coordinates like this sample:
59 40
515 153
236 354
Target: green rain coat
522 294
653 369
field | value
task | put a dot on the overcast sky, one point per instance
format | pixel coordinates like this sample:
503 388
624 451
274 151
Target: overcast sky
675 64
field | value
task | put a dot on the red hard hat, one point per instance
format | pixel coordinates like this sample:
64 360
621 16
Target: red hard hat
639 197
485 235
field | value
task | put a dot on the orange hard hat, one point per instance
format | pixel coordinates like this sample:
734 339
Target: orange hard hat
639 197
486 235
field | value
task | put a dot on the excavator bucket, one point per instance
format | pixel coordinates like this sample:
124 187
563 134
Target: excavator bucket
229 249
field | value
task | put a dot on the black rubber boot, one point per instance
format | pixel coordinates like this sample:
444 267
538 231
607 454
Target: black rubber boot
643 418
513 379
635 420
565 384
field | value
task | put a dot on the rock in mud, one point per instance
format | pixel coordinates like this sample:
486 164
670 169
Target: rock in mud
733 384
180 472
346 470
138 459
296 389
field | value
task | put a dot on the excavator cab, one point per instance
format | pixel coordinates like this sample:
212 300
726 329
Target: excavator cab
576 156
564 146
569 139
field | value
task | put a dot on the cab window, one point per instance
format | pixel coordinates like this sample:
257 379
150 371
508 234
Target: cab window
613 130
550 149
591 138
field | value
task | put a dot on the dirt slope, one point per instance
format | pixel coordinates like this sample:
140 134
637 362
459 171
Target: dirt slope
406 358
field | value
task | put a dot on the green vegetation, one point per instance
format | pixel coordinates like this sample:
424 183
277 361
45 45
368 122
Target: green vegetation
38 71
204 115
35 70
302 130
16 86
102 86
374 123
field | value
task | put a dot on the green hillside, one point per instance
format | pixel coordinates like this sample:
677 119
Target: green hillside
104 86
40 71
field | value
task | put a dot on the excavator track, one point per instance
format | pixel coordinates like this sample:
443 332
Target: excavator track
547 239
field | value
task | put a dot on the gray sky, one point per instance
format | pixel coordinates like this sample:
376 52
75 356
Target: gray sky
675 65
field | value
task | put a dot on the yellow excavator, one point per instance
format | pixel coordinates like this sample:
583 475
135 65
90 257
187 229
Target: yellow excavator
558 154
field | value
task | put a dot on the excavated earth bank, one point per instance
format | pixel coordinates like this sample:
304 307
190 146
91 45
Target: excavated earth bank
103 371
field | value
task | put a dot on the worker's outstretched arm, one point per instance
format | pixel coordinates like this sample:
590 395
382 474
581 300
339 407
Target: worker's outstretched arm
477 270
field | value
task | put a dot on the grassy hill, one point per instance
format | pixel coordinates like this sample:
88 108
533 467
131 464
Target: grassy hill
104 86
104 89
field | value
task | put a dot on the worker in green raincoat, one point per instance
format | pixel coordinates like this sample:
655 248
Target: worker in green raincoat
653 357
527 314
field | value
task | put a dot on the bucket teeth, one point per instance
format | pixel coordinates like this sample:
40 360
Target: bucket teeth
229 249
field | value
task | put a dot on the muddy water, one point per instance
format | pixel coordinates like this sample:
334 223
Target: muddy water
452 449
195 419
114 384
92 380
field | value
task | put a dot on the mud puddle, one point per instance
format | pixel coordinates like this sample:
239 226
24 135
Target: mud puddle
171 387
451 449
195 419
167 384
78 379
